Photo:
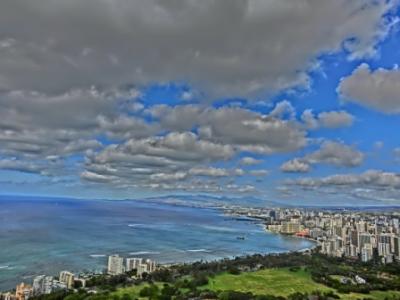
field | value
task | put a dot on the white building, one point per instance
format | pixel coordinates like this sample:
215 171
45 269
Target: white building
147 266
366 253
23 291
7 296
67 278
383 249
42 284
387 259
384 244
115 265
151 265
364 238
133 263
360 280
141 268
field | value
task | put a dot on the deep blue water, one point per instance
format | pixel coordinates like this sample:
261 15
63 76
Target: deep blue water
45 236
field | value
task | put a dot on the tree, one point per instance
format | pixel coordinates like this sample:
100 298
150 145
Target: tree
150 291
126 296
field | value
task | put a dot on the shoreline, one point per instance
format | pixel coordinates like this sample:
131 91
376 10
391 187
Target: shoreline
257 221
293 236
214 254
260 222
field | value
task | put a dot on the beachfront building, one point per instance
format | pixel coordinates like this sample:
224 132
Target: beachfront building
115 265
357 235
23 291
291 227
7 296
147 266
141 269
275 228
133 263
42 285
67 278
151 265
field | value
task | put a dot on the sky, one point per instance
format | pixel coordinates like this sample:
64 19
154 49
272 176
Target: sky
294 101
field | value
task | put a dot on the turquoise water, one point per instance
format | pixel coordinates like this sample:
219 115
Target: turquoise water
45 236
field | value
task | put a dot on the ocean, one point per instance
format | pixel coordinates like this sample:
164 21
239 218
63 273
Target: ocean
46 236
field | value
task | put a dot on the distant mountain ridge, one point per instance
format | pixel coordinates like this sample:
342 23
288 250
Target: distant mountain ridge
205 201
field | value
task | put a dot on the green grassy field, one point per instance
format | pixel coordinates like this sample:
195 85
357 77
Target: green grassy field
133 291
374 295
280 282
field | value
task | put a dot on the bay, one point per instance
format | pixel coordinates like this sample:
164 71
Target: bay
46 236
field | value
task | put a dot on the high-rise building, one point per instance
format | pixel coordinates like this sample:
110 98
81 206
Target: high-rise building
354 237
383 249
147 266
141 268
364 238
67 278
395 223
23 291
132 263
396 246
7 296
316 232
115 265
387 259
151 265
366 252
384 244
351 250
290 227
272 214
42 285
361 226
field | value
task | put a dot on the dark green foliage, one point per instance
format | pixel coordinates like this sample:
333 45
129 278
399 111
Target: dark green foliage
199 279
59 295
188 280
149 291
294 269
163 275
232 295
234 270
107 280
126 297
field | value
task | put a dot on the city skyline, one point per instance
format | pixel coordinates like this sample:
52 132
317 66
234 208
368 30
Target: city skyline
295 102
356 236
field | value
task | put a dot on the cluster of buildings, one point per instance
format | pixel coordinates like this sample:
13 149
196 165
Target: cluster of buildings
118 265
42 285
364 237
353 234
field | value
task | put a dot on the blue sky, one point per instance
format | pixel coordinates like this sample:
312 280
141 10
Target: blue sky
298 104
